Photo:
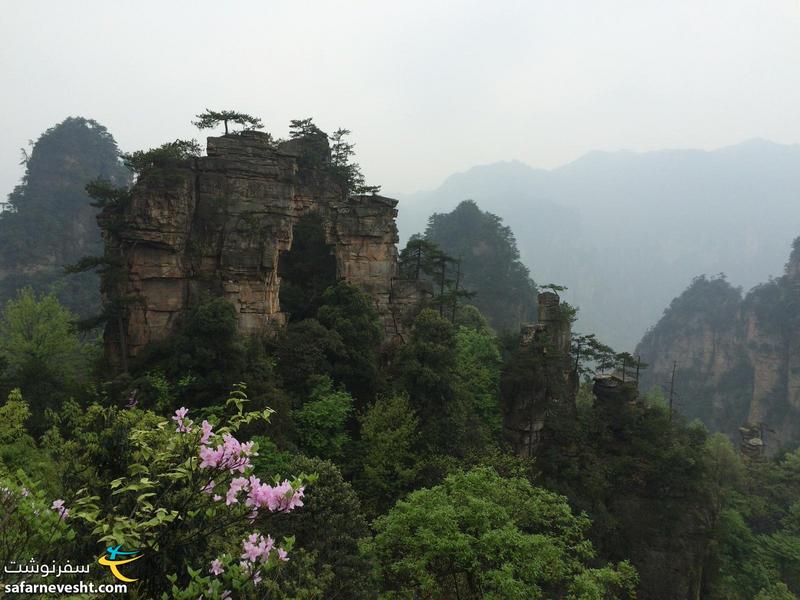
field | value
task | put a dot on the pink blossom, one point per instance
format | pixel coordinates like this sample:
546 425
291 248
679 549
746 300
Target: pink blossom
283 555
251 552
257 578
181 420
58 506
237 485
208 488
206 433
257 547
281 498
229 456
216 567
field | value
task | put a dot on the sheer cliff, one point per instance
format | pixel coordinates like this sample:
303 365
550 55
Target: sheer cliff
222 225
736 359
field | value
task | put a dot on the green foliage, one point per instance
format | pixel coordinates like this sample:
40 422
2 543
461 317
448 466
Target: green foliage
426 370
13 415
350 315
205 347
779 591
329 154
18 450
306 270
29 528
38 333
755 515
305 128
640 476
388 452
418 259
590 354
422 260
470 317
344 170
51 222
106 194
328 530
41 350
302 350
158 506
342 342
212 118
320 422
478 372
776 303
91 444
478 535
491 265
170 154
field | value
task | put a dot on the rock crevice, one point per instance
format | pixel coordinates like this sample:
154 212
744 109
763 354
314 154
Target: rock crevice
217 225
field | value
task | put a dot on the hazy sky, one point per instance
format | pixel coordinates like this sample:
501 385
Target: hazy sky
427 87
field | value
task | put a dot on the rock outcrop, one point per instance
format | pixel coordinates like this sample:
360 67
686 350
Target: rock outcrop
218 224
539 380
738 359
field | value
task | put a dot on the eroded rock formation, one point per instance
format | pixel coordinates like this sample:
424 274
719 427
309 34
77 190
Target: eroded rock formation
539 379
738 359
218 225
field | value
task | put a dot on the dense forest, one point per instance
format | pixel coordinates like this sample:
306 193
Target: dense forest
49 221
605 222
317 460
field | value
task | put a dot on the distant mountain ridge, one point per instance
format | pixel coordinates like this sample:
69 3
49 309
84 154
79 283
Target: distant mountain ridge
627 231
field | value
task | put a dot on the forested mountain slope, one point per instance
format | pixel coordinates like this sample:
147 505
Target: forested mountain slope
49 222
737 358
625 231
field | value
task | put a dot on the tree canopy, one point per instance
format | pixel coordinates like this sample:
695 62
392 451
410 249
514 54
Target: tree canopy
213 118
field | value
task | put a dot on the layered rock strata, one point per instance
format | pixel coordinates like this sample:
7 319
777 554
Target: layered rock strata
218 224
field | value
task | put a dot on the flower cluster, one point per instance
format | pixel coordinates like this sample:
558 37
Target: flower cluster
280 498
58 506
234 457
231 455
229 465
256 551
184 425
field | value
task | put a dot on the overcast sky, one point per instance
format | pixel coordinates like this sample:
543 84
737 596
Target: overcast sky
428 88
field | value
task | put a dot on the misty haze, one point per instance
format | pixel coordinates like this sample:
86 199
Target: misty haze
442 300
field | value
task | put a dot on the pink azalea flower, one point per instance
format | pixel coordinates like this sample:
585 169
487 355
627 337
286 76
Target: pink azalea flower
58 506
257 547
216 567
229 456
206 433
180 419
237 485
283 555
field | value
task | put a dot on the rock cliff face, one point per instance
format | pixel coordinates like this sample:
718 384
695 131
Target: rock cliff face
738 359
539 379
218 225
